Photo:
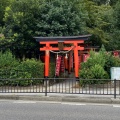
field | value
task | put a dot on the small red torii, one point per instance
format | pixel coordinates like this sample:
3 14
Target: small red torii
77 45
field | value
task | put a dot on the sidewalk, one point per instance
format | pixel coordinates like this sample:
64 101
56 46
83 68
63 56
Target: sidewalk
103 99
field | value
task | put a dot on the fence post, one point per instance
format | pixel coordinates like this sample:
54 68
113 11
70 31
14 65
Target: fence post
46 80
77 80
114 88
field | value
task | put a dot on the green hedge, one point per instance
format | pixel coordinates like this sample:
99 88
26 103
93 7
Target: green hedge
7 60
52 70
12 68
98 67
34 68
29 68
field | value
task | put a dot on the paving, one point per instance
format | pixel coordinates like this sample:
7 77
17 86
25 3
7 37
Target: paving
104 99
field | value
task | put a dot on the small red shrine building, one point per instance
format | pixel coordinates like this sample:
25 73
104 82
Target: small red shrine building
64 44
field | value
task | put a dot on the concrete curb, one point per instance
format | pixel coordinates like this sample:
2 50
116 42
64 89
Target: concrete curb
115 101
62 99
89 100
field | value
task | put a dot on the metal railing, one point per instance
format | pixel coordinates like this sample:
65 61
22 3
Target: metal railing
61 85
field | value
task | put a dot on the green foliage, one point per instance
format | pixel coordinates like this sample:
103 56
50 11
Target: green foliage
22 72
98 66
3 5
60 18
12 68
94 72
7 60
27 18
114 43
85 73
34 68
21 20
30 68
52 70
97 21
106 2
93 68
98 72
111 61
95 58
96 61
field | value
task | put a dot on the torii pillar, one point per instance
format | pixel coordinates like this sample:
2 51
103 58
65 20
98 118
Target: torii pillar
76 59
47 61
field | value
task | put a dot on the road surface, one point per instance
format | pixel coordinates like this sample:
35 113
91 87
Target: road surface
36 110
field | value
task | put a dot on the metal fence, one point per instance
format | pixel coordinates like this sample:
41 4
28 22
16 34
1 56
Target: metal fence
61 85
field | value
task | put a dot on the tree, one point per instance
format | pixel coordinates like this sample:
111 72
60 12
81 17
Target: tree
60 18
25 19
19 25
113 2
114 43
100 2
3 5
105 2
98 22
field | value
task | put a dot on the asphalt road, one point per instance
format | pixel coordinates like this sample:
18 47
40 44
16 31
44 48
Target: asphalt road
35 110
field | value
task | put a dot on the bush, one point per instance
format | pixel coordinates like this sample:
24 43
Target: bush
10 67
94 72
33 67
111 61
30 68
98 72
93 68
98 66
7 64
7 60
95 58
52 70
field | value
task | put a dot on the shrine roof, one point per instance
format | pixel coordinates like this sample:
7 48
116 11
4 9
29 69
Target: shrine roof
62 38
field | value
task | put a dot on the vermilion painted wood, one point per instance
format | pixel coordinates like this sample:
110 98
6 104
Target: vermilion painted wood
47 60
65 48
75 48
76 59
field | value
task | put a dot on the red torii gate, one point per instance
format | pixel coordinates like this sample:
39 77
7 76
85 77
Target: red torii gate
74 40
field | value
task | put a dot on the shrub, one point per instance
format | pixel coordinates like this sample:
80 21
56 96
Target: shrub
7 63
94 72
98 72
52 70
93 68
7 60
30 68
98 66
33 67
85 73
95 58
111 61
